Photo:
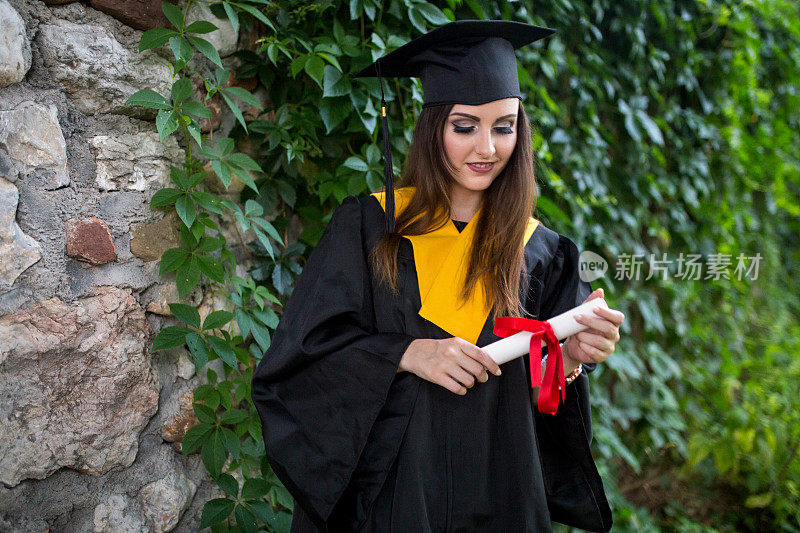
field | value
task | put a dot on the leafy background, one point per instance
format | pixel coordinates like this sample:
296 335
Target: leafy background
660 128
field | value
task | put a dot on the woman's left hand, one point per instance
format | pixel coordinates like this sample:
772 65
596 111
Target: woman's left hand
595 344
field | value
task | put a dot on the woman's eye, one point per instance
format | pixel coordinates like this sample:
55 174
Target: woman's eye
463 129
505 130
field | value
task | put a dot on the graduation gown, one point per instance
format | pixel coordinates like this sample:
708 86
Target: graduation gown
362 447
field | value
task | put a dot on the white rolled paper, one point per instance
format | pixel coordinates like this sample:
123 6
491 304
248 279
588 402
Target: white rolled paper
563 326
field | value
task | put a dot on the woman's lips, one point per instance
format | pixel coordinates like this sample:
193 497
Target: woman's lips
481 168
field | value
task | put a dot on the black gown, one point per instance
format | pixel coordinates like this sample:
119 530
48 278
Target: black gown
363 448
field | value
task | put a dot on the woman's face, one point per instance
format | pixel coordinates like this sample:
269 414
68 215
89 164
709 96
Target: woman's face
479 140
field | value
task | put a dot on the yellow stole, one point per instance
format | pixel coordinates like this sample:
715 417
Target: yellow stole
441 258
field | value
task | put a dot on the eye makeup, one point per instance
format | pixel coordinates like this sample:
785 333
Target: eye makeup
461 128
502 130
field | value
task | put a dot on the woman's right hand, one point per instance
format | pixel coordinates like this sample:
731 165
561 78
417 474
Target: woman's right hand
453 363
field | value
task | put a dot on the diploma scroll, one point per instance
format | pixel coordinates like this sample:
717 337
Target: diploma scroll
563 326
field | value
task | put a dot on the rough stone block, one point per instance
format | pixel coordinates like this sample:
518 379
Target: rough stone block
164 501
134 162
139 14
17 250
76 385
31 138
151 240
96 71
15 50
90 240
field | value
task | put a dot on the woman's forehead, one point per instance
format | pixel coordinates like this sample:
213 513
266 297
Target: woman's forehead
489 111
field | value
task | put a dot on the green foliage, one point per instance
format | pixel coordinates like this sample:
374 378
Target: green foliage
659 128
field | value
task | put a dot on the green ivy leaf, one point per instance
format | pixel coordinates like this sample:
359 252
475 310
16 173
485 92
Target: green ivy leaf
148 98
260 334
217 319
215 511
315 68
417 18
333 113
243 320
228 484
197 109
267 316
172 259
243 175
356 163
334 83
198 349
245 161
330 59
283 497
165 197
257 14
200 26
269 228
171 337
265 513
166 123
173 14
155 37
207 394
213 454
265 242
297 65
231 442
204 413
179 177
187 277
223 172
223 349
212 268
232 16
195 437
186 314
207 49
374 181
186 209
182 51
255 488
432 13
208 201
234 416
181 90
244 95
210 244
245 519
650 127
235 110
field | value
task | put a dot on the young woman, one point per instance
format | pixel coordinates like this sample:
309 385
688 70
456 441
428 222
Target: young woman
380 411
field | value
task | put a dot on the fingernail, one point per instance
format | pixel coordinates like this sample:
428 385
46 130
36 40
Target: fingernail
499 372
579 317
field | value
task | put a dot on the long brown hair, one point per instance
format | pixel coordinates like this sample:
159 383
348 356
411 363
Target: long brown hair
497 252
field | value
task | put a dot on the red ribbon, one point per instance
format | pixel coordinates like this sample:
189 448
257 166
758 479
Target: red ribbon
506 326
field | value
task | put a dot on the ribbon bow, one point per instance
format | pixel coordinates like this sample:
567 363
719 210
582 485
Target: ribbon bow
506 326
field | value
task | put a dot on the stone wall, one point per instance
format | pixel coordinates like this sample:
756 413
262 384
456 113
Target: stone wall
90 417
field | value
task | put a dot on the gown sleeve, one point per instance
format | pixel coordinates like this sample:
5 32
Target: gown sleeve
575 494
321 384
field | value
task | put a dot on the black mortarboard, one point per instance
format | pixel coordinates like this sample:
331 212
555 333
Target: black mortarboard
468 62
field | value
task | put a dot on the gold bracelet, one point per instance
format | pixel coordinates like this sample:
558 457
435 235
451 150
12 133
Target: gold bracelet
574 374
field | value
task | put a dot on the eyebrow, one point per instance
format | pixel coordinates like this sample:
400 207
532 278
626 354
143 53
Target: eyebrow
477 119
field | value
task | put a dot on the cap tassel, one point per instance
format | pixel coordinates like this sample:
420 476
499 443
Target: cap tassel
388 174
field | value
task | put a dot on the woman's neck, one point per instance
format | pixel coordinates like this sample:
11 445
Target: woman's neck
464 203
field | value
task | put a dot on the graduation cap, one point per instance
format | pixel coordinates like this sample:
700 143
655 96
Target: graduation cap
469 62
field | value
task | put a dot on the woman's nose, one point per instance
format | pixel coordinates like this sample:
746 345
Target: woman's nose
485 145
